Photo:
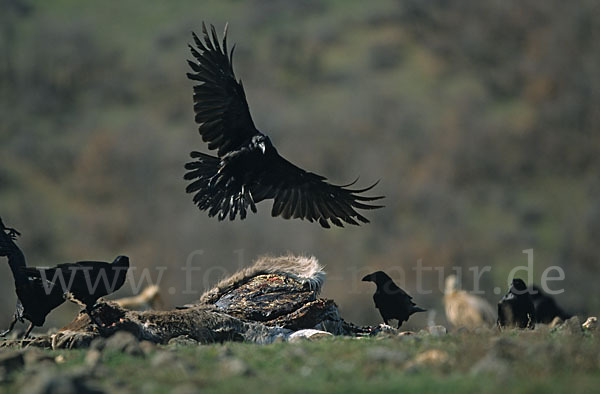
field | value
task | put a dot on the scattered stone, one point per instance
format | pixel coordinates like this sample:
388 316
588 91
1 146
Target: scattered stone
183 340
490 364
147 347
125 342
37 360
233 366
93 358
386 355
11 361
309 334
506 349
35 356
162 359
591 324
50 382
98 344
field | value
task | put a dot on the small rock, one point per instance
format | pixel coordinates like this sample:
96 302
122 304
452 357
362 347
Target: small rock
162 359
309 334
591 324
11 361
35 356
386 355
506 349
93 358
52 383
490 364
183 340
233 366
125 342
147 347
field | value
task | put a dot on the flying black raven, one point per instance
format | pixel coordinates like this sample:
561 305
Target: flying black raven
392 301
36 298
546 308
248 168
84 282
516 308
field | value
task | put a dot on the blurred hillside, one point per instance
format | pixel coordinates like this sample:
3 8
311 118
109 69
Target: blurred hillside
480 118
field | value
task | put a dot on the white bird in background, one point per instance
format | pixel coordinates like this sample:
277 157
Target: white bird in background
464 309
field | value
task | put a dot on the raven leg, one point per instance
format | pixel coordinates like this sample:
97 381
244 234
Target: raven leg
29 329
10 327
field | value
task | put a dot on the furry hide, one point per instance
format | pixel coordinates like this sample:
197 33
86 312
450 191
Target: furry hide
305 270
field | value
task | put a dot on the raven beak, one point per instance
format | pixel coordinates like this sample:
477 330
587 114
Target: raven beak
367 278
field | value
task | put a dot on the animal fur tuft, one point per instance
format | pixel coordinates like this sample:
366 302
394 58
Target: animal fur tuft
306 270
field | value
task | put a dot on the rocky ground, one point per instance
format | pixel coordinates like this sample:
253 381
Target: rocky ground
566 357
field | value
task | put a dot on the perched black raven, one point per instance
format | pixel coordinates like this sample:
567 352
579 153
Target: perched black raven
85 282
248 168
36 298
392 301
546 308
516 308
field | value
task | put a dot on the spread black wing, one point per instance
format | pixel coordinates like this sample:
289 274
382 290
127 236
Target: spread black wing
300 194
219 100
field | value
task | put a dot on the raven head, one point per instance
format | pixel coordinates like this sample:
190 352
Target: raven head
379 277
518 286
261 142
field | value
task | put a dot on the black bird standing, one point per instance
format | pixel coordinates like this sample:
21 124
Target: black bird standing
392 301
85 282
40 290
546 308
36 298
516 308
248 168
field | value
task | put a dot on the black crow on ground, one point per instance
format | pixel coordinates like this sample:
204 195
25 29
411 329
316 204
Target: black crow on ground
392 301
546 308
84 282
248 169
40 290
516 308
36 297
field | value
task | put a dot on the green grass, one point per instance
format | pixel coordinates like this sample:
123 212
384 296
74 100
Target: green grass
533 362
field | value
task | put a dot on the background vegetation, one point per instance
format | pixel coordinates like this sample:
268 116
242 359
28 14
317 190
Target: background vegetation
480 118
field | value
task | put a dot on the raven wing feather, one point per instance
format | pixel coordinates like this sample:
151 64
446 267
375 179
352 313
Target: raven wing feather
219 100
300 194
